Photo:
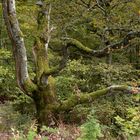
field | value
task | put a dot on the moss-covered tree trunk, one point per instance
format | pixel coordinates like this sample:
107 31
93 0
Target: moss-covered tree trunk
45 101
45 96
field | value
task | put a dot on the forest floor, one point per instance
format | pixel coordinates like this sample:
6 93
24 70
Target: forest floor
4 123
5 136
9 120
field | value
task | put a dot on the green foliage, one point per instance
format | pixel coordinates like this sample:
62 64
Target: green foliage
7 78
31 135
82 76
64 86
111 106
91 129
130 124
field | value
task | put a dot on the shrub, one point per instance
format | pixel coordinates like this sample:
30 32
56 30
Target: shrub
91 129
130 124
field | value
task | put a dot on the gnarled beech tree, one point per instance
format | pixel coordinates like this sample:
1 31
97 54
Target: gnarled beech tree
42 88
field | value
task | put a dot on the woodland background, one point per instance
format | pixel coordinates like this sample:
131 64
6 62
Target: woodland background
96 24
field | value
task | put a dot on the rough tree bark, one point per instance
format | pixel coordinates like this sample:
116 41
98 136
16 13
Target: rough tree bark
42 90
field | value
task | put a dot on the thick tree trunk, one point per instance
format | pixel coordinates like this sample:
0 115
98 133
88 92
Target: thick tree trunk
45 97
45 101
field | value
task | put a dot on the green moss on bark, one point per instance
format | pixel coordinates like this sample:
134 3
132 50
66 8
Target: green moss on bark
79 45
42 64
30 86
88 97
